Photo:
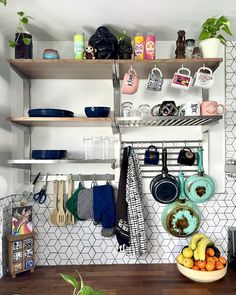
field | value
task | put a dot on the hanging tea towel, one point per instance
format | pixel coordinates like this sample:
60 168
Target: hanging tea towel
85 204
71 203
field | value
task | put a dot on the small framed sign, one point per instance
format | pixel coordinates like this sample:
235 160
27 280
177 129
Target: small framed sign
21 220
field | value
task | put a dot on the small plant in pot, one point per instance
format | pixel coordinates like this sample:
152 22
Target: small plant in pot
23 40
4 2
211 35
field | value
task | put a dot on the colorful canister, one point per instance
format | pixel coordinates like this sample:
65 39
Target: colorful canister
150 46
79 45
139 43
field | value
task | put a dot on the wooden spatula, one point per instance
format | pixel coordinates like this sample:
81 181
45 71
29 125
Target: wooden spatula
61 216
69 217
54 209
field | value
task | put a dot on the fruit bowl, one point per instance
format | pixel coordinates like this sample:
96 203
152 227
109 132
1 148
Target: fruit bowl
202 276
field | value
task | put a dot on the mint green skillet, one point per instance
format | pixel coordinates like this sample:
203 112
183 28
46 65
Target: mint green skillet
199 187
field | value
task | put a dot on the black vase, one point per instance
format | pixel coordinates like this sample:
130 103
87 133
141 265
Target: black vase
22 50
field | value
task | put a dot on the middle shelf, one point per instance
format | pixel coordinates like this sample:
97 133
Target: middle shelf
119 121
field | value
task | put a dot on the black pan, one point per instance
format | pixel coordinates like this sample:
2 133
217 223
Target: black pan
164 187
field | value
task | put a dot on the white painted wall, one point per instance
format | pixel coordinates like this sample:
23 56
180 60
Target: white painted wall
5 127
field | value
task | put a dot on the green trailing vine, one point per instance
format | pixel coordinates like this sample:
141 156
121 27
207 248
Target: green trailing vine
23 19
4 2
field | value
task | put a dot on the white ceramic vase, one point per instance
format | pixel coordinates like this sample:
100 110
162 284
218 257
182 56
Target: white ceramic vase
210 47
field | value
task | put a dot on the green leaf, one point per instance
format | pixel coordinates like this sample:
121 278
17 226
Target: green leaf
71 280
208 22
87 290
205 35
12 43
26 41
24 20
227 30
4 2
20 13
222 39
97 292
81 281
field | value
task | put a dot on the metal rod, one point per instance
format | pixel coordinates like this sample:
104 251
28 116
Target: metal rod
76 177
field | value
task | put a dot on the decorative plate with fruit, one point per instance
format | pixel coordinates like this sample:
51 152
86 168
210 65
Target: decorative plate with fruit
201 260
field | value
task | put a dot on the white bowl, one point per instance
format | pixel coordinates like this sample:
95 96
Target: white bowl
202 276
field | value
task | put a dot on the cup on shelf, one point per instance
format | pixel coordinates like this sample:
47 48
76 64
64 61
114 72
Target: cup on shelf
97 147
211 108
88 147
191 108
144 110
127 109
105 146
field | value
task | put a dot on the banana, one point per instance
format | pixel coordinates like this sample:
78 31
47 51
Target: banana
201 247
195 255
195 239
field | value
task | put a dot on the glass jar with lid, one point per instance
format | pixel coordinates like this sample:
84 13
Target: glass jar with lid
144 110
127 109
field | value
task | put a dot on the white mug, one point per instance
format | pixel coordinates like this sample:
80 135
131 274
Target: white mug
180 80
191 108
202 79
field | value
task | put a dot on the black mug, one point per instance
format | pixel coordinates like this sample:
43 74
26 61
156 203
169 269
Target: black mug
186 157
151 156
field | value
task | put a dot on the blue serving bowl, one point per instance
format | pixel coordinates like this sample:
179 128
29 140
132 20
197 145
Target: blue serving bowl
97 111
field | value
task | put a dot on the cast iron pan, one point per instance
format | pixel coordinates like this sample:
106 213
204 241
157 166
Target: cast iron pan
50 113
164 187
182 217
49 154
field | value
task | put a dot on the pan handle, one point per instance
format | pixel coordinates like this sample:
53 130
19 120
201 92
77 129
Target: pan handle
164 162
200 161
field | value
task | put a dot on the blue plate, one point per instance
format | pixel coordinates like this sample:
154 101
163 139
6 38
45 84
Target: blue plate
50 113
49 154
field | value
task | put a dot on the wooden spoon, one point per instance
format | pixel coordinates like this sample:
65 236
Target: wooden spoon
69 217
61 216
54 209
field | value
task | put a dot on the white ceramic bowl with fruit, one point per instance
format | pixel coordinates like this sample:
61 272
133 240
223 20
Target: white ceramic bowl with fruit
202 276
201 260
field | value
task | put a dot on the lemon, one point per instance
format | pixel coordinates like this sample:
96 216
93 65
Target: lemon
187 252
180 258
188 262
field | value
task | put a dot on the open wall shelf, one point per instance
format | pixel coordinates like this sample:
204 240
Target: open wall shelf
103 68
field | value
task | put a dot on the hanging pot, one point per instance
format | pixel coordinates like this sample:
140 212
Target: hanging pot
182 217
22 50
210 47
199 187
164 187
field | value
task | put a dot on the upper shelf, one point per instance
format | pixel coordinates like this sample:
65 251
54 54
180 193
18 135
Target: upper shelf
103 68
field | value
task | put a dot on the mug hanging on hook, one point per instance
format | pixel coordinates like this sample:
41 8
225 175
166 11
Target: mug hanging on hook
180 80
155 80
130 82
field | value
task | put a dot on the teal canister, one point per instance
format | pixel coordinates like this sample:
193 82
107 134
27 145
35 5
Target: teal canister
79 45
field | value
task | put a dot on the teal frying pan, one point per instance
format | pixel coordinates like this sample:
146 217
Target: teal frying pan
182 217
199 187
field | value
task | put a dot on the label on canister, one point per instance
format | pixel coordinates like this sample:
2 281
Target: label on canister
79 45
150 46
138 47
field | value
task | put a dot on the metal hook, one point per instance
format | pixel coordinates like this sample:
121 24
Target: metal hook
79 177
182 66
108 178
204 66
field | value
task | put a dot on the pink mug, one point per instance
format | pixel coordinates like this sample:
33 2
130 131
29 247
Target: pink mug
211 108
130 82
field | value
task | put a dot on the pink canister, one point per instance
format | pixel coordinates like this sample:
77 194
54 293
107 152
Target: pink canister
150 46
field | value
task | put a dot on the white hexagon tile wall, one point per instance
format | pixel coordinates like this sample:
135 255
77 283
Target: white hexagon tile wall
82 243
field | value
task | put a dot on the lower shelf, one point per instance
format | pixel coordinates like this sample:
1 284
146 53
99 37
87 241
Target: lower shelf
20 162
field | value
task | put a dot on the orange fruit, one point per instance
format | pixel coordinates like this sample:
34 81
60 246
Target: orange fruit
215 259
201 264
210 259
195 267
203 269
195 262
210 252
219 265
222 260
210 266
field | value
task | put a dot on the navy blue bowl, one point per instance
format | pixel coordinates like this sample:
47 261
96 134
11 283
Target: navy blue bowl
49 154
50 113
97 111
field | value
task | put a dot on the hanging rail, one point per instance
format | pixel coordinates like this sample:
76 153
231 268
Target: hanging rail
76 177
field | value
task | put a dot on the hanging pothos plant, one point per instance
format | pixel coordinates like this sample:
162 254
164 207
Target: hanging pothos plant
4 2
23 19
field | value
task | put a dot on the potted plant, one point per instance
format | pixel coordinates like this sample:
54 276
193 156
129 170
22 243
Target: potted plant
211 35
83 289
23 39
4 2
